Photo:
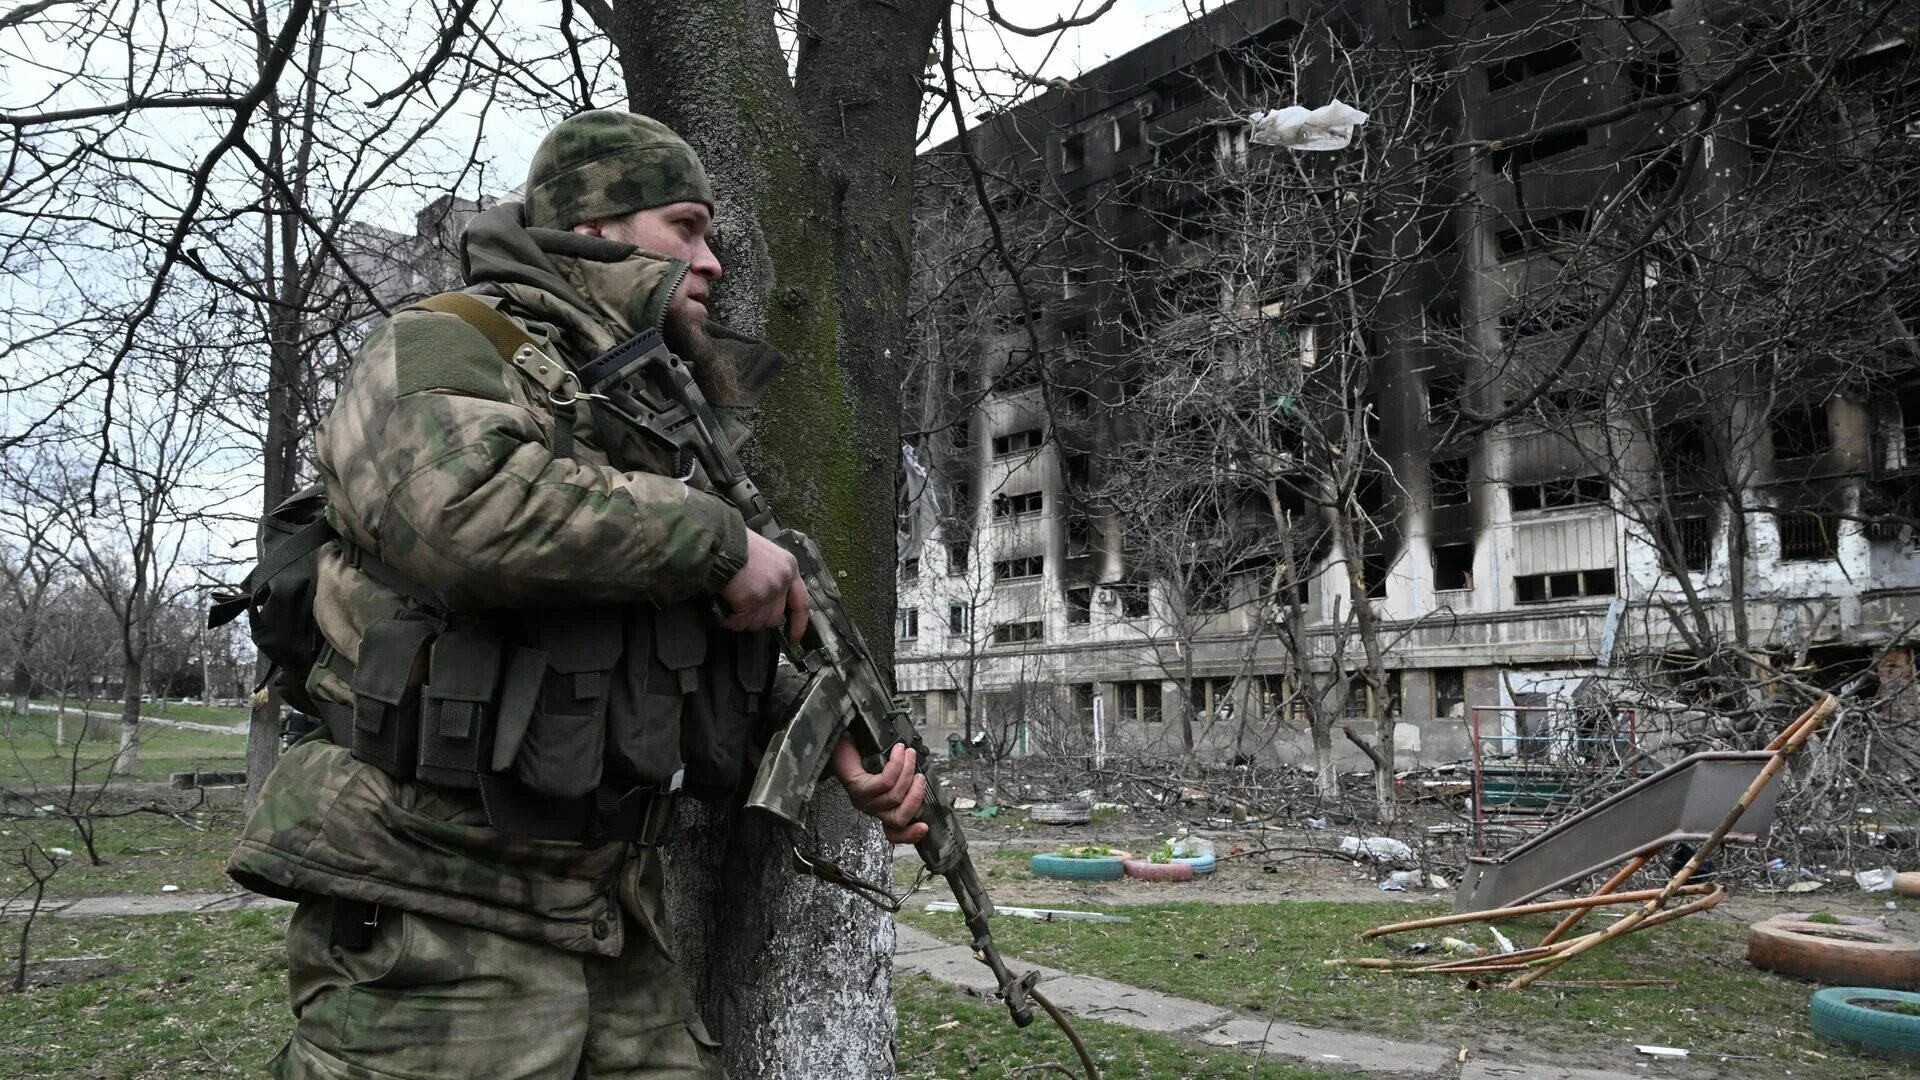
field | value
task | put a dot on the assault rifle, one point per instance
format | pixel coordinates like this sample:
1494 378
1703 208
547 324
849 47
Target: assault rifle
845 693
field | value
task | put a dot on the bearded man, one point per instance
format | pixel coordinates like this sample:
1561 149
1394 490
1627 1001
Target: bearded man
525 664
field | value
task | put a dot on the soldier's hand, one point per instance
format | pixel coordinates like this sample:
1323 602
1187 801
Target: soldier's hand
767 591
893 794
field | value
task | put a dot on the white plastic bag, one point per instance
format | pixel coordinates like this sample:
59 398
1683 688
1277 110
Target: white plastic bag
1191 847
1381 849
1329 127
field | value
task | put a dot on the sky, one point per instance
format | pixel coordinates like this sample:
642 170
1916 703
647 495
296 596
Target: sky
510 132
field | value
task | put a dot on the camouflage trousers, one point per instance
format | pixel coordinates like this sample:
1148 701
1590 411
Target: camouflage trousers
435 1000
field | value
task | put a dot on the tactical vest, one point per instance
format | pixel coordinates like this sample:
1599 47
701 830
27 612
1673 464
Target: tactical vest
569 723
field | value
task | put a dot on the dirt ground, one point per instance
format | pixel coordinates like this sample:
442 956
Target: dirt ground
1261 864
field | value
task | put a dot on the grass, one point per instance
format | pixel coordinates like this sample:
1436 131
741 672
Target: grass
29 756
156 996
1267 958
945 1032
142 853
204 995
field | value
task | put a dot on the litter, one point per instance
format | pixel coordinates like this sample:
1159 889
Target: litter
1042 914
169 888
1805 886
1880 880
1400 881
1675 899
60 853
1329 127
1460 947
1316 823
964 804
1661 1051
1381 849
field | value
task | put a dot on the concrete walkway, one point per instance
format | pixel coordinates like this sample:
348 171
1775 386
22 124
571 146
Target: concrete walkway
1078 995
1164 1014
184 725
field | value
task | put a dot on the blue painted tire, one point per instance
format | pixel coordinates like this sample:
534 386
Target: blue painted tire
1202 864
1877 1031
1098 868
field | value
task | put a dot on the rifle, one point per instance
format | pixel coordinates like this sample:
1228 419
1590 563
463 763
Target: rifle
844 693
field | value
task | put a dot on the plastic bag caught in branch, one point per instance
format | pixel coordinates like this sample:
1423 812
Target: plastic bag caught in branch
1329 127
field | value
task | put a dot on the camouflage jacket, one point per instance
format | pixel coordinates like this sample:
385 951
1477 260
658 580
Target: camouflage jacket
436 458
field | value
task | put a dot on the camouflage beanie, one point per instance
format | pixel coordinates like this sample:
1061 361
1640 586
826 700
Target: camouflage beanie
605 163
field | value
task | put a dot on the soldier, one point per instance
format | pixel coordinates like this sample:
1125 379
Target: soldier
524 662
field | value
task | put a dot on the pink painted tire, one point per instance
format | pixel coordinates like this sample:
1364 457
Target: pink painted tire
1156 871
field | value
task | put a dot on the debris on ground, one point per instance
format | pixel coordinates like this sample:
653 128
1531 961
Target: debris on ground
1678 897
1662 1051
1880 880
1381 849
1042 914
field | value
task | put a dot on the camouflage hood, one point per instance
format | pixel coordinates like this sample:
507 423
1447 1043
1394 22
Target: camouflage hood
594 293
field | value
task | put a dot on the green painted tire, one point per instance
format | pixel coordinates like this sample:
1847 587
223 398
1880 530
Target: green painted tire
1876 1031
1098 868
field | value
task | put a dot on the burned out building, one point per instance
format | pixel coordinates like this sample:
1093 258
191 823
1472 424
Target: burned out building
1587 371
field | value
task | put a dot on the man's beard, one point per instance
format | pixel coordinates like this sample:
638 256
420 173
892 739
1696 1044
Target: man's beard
713 370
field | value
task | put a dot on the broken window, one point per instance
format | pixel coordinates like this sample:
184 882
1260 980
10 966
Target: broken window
1564 585
1129 131
1452 566
909 570
1558 494
1689 538
1016 442
1019 568
1073 281
1082 704
1139 701
907 624
1518 69
1079 534
1508 157
1654 76
1808 535
1073 152
1211 698
1444 391
1134 600
1079 606
1681 449
1010 506
1018 633
1449 692
1800 431
1541 233
957 553
960 492
1424 12
959 619
1448 483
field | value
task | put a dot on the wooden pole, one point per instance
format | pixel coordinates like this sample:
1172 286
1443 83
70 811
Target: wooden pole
1493 914
1618 879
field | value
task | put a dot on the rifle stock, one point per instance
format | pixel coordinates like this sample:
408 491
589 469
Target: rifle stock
845 693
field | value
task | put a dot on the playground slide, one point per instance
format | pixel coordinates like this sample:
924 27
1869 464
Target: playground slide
1683 802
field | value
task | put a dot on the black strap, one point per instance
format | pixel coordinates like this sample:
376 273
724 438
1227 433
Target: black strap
305 540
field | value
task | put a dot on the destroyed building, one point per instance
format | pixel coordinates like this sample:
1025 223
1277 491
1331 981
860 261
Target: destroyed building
1591 447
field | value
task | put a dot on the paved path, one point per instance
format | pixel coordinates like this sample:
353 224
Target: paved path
1078 995
184 725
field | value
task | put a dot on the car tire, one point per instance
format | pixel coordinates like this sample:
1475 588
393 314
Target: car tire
1147 870
1065 868
1061 814
1854 951
1844 1014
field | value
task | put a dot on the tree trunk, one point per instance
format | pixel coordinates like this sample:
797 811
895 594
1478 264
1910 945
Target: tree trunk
813 185
127 760
1326 779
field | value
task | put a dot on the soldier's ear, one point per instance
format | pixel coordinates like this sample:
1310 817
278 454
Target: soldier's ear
589 228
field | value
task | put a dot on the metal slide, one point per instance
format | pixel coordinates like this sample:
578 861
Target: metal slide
1683 802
